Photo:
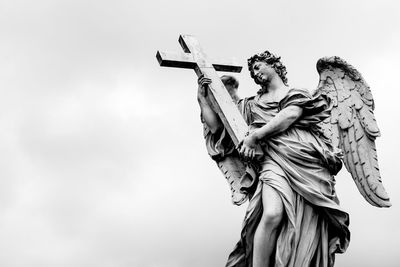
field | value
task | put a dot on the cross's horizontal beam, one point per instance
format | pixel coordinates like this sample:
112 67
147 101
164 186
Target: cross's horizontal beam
186 61
231 66
177 60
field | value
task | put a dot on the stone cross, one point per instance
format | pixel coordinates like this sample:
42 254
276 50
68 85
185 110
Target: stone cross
194 58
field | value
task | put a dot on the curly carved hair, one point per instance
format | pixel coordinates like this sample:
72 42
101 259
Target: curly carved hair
272 60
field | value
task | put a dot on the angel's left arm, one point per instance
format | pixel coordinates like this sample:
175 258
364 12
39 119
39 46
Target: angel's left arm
280 123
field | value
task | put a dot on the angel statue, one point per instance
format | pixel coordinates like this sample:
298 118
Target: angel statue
293 216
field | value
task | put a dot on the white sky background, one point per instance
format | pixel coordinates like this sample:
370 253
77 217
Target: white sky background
102 159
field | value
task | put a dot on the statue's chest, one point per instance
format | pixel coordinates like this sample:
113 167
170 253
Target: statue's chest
262 112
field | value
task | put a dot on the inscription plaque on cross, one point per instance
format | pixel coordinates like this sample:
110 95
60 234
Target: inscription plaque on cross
194 58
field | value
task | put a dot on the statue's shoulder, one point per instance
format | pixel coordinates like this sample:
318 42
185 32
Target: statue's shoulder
297 90
244 101
243 104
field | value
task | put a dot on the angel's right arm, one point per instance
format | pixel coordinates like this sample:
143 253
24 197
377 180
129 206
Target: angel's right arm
208 114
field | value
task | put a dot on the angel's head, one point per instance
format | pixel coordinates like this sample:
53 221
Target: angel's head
270 59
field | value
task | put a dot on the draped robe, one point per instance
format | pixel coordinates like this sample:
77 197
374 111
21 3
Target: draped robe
300 165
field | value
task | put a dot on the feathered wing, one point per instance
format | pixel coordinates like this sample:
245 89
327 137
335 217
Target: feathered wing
240 175
352 126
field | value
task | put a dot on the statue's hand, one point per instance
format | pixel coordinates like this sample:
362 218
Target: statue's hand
247 147
202 91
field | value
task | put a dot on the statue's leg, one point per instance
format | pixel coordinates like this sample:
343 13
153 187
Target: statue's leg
267 229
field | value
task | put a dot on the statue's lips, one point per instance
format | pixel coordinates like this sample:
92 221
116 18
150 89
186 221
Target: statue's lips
261 78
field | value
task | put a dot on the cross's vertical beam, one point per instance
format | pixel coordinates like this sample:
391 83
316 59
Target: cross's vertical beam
195 58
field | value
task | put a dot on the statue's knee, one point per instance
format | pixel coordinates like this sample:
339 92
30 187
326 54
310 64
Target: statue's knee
272 218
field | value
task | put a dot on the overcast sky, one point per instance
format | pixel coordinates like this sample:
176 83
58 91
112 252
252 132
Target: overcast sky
102 159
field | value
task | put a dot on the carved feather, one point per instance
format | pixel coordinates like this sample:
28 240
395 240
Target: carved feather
233 169
352 126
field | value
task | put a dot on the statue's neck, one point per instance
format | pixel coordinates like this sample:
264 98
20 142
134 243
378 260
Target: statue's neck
273 86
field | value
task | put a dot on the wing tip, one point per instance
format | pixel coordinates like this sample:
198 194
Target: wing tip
377 201
383 204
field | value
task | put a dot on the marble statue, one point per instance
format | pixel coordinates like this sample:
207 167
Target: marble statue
284 164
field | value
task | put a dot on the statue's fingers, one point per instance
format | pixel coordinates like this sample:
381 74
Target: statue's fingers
239 145
249 155
246 153
205 82
252 153
242 149
199 79
203 77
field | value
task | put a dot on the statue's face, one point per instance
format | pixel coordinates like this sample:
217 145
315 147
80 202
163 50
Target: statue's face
262 72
